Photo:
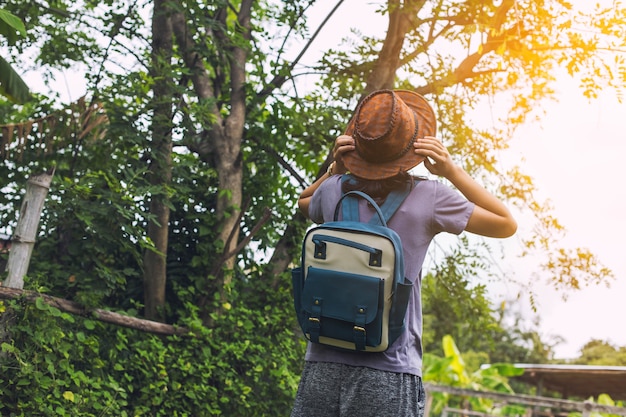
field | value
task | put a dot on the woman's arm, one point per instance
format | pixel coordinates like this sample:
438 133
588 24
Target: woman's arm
307 193
490 216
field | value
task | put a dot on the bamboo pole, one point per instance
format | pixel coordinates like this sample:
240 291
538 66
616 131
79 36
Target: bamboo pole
25 234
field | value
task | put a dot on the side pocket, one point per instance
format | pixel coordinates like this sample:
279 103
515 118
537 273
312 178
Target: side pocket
297 284
398 311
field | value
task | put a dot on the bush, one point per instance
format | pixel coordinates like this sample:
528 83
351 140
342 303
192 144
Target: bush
57 364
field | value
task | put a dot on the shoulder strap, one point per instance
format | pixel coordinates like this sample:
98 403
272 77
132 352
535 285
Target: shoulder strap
392 203
350 207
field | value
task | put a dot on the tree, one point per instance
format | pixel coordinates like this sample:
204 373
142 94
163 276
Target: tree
160 170
600 352
456 304
451 294
504 53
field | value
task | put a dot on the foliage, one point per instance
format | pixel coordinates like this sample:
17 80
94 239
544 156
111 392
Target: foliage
599 352
56 364
455 290
11 84
52 365
451 370
603 399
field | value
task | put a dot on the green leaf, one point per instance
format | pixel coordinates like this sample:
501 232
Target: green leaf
5 347
506 369
10 25
41 304
12 85
68 395
451 351
605 399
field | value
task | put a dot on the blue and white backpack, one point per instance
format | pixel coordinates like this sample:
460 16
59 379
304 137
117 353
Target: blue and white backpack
350 291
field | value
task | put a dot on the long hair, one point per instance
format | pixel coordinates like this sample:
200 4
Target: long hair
378 189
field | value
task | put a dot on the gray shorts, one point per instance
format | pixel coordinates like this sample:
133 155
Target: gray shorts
338 390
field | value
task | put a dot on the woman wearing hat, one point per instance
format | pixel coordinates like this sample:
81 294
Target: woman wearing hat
390 133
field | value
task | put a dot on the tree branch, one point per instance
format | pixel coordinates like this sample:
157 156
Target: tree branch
106 316
280 79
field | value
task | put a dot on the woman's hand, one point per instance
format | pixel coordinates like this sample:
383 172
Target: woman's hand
343 144
438 160
490 216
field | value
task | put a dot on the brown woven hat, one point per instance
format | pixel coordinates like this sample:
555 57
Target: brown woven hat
384 127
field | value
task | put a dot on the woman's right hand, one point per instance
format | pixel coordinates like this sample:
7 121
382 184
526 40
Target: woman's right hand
343 144
438 160
490 216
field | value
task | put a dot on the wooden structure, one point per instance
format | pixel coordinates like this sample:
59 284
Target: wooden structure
576 381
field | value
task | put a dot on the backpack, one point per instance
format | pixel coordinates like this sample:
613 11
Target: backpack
350 291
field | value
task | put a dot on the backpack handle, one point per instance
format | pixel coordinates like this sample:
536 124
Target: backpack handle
385 212
352 208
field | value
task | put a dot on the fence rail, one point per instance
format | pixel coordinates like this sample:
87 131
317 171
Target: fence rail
584 407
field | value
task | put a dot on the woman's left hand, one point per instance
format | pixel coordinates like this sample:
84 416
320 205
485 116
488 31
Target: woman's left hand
438 160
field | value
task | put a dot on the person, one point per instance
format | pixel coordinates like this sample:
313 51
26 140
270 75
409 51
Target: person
391 132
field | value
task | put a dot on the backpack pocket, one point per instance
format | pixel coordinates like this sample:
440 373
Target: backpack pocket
342 309
398 310
296 285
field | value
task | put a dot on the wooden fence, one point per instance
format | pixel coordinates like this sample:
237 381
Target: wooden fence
543 406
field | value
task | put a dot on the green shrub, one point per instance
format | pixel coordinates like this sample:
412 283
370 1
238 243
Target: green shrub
57 364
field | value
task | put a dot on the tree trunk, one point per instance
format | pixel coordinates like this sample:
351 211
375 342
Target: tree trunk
222 143
25 234
154 262
229 158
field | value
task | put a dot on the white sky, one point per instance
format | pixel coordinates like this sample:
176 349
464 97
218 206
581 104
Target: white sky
575 157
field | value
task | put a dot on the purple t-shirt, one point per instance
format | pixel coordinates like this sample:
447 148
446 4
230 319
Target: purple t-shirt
430 208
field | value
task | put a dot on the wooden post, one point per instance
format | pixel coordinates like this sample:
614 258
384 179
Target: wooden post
25 234
429 404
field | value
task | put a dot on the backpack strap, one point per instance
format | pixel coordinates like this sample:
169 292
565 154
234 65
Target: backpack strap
392 203
350 207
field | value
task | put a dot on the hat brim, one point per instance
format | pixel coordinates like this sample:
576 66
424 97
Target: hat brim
427 126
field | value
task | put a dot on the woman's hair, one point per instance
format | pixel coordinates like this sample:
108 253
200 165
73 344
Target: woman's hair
378 189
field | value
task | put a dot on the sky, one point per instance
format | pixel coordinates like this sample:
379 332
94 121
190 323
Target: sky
575 156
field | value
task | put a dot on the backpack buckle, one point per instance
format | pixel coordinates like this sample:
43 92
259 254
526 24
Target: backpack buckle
359 337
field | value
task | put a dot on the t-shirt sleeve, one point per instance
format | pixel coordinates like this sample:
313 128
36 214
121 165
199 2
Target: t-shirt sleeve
451 210
323 201
315 207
